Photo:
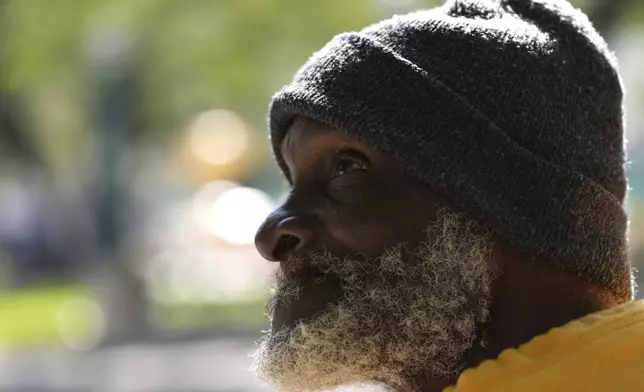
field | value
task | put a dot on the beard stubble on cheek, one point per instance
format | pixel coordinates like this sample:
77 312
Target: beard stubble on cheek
405 313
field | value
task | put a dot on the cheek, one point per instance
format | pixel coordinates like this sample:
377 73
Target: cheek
384 216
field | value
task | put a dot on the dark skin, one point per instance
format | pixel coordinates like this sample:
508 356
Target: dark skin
348 199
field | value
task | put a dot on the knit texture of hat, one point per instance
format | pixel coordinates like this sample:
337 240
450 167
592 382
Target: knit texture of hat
510 109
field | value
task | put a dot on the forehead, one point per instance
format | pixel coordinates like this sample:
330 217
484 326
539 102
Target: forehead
306 137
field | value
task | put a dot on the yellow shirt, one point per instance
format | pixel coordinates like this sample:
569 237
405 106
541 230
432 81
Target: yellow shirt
600 352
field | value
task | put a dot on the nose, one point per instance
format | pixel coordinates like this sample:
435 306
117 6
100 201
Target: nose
283 236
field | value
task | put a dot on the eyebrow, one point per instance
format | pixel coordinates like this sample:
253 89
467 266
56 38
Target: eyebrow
319 137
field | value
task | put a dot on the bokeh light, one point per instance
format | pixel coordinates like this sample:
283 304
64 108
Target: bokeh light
219 137
232 213
81 323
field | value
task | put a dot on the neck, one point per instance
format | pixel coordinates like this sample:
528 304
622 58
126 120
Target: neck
529 299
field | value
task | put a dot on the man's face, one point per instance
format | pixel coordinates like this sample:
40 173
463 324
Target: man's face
378 280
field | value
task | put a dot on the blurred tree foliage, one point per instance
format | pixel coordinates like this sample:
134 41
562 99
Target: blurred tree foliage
192 55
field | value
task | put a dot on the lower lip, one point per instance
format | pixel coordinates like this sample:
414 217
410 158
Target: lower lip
316 295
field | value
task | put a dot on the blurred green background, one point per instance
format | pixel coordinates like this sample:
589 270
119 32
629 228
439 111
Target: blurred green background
134 158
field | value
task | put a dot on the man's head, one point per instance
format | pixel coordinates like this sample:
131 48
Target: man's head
417 150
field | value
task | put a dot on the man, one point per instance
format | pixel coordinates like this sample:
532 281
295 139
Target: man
456 215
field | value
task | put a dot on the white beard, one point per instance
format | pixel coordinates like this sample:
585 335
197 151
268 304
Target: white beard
403 314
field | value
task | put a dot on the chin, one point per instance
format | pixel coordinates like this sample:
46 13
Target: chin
303 300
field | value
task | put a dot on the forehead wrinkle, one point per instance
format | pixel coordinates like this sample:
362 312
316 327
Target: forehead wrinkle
296 154
299 125
284 149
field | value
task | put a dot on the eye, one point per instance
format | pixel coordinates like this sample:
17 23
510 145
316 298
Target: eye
347 162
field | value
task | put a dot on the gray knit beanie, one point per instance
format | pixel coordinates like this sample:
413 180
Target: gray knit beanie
510 109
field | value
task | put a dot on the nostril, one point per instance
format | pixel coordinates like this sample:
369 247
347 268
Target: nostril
283 234
285 245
